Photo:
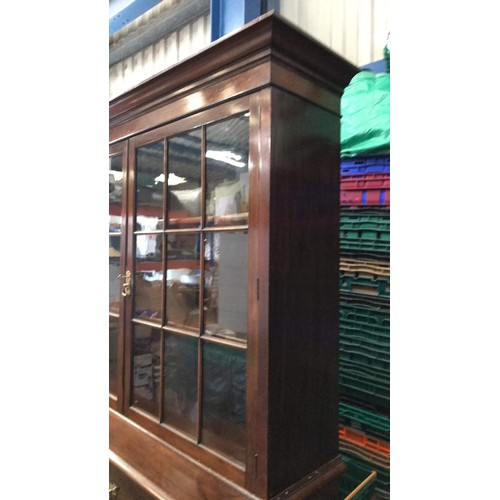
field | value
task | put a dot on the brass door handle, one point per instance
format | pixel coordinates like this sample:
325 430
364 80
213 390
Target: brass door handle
113 491
126 284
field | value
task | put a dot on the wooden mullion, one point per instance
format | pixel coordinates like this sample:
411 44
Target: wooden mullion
203 211
164 282
165 184
200 376
201 306
162 378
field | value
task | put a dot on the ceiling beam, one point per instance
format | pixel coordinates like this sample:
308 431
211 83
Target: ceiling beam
122 12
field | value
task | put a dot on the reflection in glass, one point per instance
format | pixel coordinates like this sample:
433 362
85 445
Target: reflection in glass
115 193
181 380
223 406
148 277
114 274
183 280
146 368
149 187
184 180
227 172
113 354
226 279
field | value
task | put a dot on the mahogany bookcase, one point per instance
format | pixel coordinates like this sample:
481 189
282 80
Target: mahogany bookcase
224 213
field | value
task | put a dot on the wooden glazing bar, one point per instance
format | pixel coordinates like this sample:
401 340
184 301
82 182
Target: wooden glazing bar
164 281
185 220
242 346
233 218
224 228
145 233
144 322
180 331
181 231
162 377
165 184
201 304
203 176
164 246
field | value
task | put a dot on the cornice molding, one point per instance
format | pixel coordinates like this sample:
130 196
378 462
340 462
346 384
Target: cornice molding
268 37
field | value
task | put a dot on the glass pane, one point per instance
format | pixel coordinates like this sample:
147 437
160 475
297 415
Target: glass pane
113 354
227 172
114 274
146 368
115 193
224 390
149 187
181 382
184 180
226 279
183 280
148 277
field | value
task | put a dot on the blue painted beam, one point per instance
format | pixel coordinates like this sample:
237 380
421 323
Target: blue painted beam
122 12
376 66
228 15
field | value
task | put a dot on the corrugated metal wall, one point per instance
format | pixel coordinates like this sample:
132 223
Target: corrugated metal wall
141 20
164 53
356 29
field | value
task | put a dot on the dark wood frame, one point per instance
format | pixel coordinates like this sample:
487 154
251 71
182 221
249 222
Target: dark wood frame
228 467
116 401
265 67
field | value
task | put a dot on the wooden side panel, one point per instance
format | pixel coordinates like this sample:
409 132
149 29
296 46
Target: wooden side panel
257 368
303 289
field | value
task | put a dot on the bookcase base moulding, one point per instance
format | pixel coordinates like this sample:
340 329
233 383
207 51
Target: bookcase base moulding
224 219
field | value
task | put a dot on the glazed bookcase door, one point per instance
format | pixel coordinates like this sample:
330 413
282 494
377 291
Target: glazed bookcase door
187 323
117 252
